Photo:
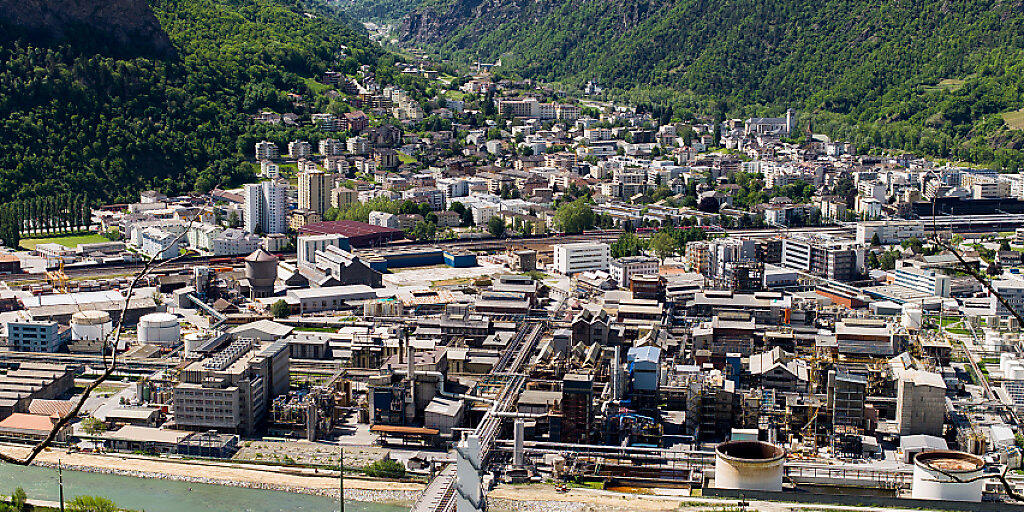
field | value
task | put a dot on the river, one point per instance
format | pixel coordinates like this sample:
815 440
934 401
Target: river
156 495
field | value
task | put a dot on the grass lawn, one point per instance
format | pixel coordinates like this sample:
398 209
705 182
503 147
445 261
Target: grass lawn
947 84
69 241
957 330
1014 120
406 159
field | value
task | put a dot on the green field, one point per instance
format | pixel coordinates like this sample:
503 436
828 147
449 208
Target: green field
1014 120
69 241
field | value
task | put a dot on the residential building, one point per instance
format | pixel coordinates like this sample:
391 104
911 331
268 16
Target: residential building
266 150
341 197
314 191
580 257
823 256
332 147
384 219
264 209
623 269
889 232
159 244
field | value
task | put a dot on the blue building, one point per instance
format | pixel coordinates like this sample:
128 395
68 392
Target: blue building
30 336
644 368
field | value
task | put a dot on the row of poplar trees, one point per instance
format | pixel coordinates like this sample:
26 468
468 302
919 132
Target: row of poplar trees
44 216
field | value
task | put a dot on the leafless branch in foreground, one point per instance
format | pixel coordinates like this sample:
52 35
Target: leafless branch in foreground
108 366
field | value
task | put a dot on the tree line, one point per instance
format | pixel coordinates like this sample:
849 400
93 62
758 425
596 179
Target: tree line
51 215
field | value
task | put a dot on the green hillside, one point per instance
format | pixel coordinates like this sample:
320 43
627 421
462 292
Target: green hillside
77 121
931 76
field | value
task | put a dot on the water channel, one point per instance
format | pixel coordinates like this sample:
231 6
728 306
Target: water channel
156 495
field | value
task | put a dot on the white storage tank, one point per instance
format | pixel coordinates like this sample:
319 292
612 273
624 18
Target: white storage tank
91 326
948 476
192 343
160 329
749 465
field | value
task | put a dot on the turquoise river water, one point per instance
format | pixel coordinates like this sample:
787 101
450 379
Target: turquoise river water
155 495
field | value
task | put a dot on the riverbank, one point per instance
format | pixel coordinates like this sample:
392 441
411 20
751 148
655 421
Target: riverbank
225 473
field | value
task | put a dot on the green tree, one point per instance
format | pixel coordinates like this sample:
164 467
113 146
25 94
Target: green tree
280 309
496 226
385 468
628 244
876 241
91 504
93 426
19 500
575 217
663 244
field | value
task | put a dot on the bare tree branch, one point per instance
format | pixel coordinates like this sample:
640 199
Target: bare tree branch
111 342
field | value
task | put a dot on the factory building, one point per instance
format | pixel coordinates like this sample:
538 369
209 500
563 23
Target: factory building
231 390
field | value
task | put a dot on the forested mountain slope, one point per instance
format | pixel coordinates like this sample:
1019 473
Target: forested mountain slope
928 75
108 119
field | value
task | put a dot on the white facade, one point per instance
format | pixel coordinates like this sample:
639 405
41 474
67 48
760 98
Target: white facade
266 150
581 257
889 232
384 219
234 242
265 207
299 149
924 281
623 269
159 244
307 246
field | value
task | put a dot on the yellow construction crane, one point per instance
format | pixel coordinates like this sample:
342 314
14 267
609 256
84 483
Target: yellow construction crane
57 278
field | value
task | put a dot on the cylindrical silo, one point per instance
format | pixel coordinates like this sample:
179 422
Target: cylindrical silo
192 342
749 465
948 476
91 325
261 272
160 329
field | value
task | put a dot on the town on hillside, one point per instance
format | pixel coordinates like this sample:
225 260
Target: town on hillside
466 283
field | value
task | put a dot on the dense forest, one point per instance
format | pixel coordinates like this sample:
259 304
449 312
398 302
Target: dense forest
108 124
933 76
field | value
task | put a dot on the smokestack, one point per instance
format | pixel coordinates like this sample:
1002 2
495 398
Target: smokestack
518 435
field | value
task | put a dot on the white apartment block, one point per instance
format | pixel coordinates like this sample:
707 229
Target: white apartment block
159 244
266 150
384 219
265 207
889 232
269 170
581 257
358 145
234 242
623 269
924 281
332 147
299 149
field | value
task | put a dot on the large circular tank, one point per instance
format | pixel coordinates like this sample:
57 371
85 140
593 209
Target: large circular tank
948 476
91 325
261 272
749 465
159 329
